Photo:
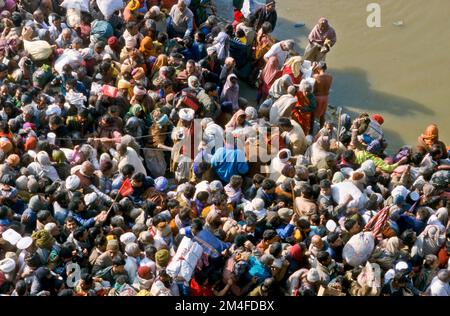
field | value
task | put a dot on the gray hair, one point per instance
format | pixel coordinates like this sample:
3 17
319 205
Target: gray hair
305 86
289 44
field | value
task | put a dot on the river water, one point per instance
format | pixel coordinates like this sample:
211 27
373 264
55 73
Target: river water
400 72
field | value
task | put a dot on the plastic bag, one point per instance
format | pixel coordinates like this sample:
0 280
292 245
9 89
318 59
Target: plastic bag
73 17
39 50
183 264
358 249
341 190
108 7
71 57
81 5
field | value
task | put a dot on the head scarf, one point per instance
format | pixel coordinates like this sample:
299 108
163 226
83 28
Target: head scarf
191 83
338 177
317 35
295 63
146 47
231 92
139 91
161 61
220 43
233 123
138 73
280 86
42 158
58 156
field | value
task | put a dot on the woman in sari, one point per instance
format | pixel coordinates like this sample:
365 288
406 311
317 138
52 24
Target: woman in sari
293 68
269 74
263 42
280 87
230 92
147 50
304 109
161 60
238 121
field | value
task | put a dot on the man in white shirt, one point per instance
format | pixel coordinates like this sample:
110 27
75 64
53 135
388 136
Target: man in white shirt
281 51
440 285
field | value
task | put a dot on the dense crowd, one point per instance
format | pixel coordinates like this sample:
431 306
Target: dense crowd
130 163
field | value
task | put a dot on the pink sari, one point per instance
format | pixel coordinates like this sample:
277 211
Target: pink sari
269 74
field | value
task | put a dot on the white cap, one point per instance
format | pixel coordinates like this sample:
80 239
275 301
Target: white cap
127 238
331 225
11 236
7 265
90 198
24 243
72 182
49 227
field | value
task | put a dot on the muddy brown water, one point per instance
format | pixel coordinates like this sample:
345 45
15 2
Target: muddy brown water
400 72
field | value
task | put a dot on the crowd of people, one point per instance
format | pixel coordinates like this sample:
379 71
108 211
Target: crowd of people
131 165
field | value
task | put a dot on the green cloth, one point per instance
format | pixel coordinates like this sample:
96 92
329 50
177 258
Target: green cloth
363 155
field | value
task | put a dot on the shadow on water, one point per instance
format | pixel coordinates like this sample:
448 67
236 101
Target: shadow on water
351 88
353 92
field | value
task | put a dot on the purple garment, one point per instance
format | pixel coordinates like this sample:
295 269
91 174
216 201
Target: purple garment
317 36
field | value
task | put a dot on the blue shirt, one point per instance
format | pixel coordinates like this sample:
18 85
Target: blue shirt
229 162
83 218
285 230
408 222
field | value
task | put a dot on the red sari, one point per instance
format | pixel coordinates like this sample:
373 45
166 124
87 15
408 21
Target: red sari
303 112
288 71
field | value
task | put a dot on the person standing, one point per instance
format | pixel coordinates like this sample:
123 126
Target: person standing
322 88
321 39
267 13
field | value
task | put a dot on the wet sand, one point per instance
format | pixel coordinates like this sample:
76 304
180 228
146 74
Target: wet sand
398 71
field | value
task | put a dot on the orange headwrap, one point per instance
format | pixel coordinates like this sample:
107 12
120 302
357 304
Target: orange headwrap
431 134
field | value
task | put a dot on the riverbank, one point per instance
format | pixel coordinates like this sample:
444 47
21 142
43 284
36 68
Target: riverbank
384 70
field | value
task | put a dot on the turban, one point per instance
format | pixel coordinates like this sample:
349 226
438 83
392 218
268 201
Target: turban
130 42
138 73
5 145
13 160
58 156
161 184
378 118
90 198
144 272
72 182
162 257
211 50
123 84
112 41
187 114
31 143
128 238
139 91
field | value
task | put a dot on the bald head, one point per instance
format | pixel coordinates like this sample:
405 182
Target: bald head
317 242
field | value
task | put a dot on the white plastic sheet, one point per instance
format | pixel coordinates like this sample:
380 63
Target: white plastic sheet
183 264
82 5
358 249
71 57
108 7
